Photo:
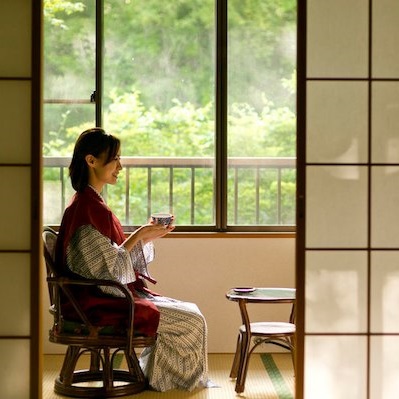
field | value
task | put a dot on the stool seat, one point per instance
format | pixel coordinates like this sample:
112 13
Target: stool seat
270 328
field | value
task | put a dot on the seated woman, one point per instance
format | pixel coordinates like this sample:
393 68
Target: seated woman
92 244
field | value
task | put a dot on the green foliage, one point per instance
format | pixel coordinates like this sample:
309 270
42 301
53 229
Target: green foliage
269 133
54 7
182 130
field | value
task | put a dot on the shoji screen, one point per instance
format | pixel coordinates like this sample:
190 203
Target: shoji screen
19 198
348 199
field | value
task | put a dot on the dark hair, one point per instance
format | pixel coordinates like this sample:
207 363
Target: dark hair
95 142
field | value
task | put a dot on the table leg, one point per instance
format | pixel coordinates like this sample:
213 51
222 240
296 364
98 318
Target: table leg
244 359
237 358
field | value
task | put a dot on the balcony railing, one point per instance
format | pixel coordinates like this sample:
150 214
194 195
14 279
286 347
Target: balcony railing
57 200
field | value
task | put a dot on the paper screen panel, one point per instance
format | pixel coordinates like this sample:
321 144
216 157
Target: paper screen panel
385 122
335 367
15 290
337 122
336 206
15 33
15 373
385 207
15 116
385 54
337 39
15 208
384 317
384 367
336 292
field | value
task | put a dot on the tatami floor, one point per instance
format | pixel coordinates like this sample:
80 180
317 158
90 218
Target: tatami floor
263 382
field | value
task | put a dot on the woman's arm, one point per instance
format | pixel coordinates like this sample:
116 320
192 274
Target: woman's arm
92 255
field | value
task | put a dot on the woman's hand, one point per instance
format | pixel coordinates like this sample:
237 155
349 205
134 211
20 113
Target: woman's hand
148 232
151 231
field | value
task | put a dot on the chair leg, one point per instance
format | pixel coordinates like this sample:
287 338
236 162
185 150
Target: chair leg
237 356
107 371
134 366
293 355
244 359
69 364
95 360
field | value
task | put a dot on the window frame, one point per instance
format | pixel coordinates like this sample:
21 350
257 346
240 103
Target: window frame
221 117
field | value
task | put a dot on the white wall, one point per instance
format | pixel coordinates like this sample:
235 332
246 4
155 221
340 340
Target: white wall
201 270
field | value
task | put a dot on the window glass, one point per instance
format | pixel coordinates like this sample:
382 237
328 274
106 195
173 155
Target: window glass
69 49
69 81
159 99
261 111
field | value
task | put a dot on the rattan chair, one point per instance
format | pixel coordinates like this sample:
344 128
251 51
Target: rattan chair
74 327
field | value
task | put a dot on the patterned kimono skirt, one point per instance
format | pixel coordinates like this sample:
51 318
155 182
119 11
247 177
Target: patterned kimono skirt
179 358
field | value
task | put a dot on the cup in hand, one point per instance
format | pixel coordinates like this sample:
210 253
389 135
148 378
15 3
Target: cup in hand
162 218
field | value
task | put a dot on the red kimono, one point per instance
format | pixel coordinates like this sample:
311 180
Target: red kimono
89 245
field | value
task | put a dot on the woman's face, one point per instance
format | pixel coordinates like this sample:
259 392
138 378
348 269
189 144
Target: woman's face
105 173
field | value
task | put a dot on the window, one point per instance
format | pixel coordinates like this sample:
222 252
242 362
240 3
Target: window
202 95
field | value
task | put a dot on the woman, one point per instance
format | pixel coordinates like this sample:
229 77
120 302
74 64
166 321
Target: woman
92 244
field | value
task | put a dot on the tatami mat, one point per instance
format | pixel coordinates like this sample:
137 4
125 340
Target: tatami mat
275 382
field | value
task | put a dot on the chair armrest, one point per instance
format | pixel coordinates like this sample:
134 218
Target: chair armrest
64 284
61 281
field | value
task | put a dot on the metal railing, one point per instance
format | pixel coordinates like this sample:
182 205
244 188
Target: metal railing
257 164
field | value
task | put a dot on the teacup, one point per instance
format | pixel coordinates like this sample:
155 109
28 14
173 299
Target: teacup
162 218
